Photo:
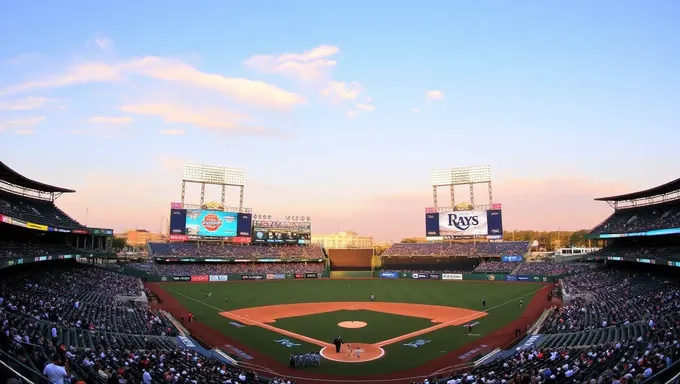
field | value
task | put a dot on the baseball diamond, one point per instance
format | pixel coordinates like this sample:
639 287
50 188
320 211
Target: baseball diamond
421 324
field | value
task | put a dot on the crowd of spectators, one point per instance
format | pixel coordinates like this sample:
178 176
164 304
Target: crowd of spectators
37 211
549 268
226 269
479 249
605 298
495 267
66 319
236 251
641 219
644 251
10 250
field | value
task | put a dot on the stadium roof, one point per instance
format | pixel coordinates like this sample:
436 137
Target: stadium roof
651 192
13 177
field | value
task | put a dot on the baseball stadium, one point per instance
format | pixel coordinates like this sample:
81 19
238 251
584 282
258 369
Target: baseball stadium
234 295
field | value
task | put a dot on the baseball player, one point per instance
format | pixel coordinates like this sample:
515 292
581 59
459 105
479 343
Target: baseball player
358 352
209 295
372 297
521 303
349 348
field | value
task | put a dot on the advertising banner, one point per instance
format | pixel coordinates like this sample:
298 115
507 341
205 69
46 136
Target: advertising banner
252 277
523 278
434 276
206 223
389 275
311 275
299 275
200 278
452 276
511 259
79 231
219 277
276 276
510 278
419 276
181 278
463 223
35 226
178 221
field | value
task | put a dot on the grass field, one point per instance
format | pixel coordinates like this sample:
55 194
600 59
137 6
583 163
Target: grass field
502 305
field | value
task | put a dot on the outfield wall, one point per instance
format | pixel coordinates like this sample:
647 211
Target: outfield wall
465 276
217 278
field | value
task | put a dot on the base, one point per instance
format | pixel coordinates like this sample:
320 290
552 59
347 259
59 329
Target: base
368 352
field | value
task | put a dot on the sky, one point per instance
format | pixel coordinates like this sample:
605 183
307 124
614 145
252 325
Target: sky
339 110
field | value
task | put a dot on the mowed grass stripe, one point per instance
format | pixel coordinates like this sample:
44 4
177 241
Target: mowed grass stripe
455 294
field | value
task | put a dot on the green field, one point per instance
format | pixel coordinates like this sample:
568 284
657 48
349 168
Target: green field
502 304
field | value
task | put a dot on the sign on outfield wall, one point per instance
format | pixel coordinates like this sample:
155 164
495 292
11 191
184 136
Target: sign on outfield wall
181 278
219 277
252 277
389 275
275 276
200 278
452 276
419 276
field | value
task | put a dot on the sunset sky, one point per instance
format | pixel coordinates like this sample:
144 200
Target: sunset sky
340 109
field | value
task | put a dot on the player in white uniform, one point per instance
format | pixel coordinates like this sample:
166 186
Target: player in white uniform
372 297
209 295
358 352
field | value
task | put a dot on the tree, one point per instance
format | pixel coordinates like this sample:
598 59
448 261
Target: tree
119 243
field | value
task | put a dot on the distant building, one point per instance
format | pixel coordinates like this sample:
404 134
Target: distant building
343 240
139 237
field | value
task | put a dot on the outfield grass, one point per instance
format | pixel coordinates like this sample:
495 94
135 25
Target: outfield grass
502 303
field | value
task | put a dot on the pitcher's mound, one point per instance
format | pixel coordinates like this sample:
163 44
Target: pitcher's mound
367 352
352 324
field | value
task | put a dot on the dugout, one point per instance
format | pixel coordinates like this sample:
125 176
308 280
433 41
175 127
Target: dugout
350 259
427 263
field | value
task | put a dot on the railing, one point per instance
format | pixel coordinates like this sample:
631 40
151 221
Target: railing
11 367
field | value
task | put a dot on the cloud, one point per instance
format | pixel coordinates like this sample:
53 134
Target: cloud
308 65
366 107
208 118
103 42
26 104
172 132
434 95
342 90
110 120
363 107
415 110
164 69
249 91
25 132
25 123
91 72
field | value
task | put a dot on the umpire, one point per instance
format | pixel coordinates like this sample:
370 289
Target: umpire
338 343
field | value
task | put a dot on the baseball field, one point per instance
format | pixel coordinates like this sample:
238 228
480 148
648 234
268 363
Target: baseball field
414 327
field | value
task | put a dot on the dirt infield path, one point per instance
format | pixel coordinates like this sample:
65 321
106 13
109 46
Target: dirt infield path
485 344
263 316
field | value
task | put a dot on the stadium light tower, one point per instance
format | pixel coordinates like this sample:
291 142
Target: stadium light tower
215 175
480 174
